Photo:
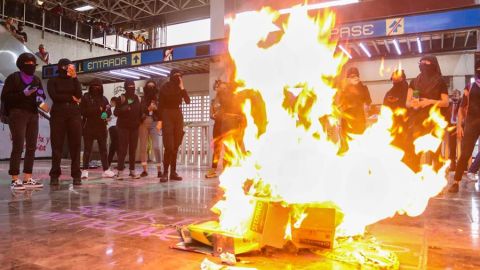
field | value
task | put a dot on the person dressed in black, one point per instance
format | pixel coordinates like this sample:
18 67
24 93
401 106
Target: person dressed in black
171 96
428 89
216 113
129 113
471 105
21 96
396 97
21 32
95 110
66 93
354 100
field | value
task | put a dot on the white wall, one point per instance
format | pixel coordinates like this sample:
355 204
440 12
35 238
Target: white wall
456 65
62 47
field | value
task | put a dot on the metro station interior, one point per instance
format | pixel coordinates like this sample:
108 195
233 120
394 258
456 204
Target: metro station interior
296 186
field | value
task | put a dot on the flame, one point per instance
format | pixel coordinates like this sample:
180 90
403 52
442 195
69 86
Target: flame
290 155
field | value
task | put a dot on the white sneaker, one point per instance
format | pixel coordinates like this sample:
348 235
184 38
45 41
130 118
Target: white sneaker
108 174
472 177
84 174
17 185
32 183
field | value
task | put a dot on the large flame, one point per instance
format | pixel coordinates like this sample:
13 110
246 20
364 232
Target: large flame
295 159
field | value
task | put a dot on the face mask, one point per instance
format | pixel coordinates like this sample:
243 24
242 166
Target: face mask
96 90
28 69
426 69
62 72
130 91
354 81
176 79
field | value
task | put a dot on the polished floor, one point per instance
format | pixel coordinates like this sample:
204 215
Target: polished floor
132 224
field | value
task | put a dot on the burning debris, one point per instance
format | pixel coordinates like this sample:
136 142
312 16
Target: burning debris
287 185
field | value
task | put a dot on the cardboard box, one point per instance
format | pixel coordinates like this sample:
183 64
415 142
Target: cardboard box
269 223
210 233
317 229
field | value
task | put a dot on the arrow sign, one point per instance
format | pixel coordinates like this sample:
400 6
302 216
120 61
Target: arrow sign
136 59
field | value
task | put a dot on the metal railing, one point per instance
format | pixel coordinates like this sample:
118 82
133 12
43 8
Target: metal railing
53 23
195 148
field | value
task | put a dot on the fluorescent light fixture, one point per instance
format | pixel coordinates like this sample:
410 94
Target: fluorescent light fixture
345 51
84 8
160 69
365 50
419 44
124 75
326 4
134 73
152 72
397 47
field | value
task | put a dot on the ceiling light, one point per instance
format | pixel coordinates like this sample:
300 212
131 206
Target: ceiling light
124 75
84 8
365 50
345 51
323 5
160 69
397 47
152 72
134 73
419 44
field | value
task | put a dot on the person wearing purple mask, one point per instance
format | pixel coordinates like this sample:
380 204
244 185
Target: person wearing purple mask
22 95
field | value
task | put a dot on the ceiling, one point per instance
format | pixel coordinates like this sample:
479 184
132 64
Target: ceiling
123 11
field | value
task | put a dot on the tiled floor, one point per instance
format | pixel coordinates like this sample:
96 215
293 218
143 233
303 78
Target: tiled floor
131 225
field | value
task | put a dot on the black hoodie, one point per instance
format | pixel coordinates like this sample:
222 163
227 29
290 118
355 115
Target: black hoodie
129 115
171 96
92 107
150 96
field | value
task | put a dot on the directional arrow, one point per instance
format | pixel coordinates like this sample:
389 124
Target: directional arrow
135 59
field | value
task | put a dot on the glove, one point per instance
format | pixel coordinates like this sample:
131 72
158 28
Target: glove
40 100
130 101
104 115
28 91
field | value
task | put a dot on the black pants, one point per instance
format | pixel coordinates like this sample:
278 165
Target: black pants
100 135
66 121
452 146
24 129
217 143
113 144
127 140
471 133
172 131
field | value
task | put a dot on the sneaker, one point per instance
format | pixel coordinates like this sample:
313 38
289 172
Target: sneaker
77 181
32 183
175 177
453 188
212 173
164 177
54 181
120 175
17 185
133 174
108 174
84 174
472 177
144 174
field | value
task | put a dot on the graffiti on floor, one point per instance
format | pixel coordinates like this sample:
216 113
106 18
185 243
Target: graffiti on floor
120 221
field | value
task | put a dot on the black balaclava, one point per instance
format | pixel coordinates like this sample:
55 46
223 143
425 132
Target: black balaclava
129 86
429 74
150 92
62 67
28 69
175 76
96 88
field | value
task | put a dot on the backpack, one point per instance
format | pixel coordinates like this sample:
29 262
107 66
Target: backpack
17 81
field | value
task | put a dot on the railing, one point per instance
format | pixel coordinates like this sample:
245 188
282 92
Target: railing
49 22
195 148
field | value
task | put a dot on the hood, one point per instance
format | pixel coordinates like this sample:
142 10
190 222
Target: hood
96 82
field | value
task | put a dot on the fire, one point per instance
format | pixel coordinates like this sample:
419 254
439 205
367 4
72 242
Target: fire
292 157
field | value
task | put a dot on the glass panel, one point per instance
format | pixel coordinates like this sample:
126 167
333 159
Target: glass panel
122 44
14 9
68 26
52 21
83 31
110 41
